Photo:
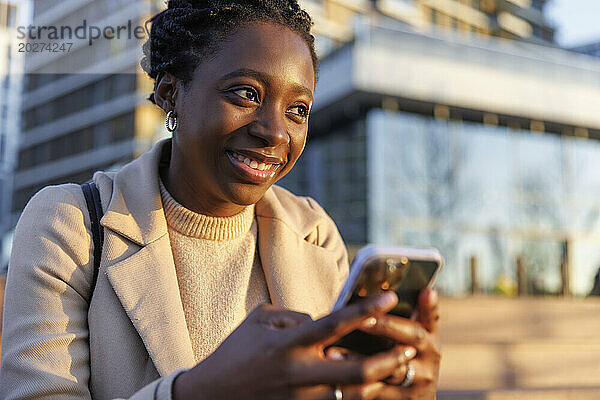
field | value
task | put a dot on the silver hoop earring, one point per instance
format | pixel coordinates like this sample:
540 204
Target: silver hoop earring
171 121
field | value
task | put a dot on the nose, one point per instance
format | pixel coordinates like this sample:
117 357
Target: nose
270 127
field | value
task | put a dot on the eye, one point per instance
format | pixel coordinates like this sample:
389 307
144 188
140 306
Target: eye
299 111
247 93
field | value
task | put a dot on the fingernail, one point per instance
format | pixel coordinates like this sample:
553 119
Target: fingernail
369 323
410 353
386 300
335 355
433 297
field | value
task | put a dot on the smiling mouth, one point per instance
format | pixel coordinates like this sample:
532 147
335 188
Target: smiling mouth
254 164
252 170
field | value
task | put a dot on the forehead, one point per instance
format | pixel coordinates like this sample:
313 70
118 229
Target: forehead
274 50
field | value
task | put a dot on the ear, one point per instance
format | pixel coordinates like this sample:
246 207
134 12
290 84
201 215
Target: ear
166 91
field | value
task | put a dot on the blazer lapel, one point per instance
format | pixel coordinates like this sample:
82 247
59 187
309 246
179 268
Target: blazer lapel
146 285
145 281
300 276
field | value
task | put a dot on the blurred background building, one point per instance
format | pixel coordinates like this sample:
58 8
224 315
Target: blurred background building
84 107
11 64
512 19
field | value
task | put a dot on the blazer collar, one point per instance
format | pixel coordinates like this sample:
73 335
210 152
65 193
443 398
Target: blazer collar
135 209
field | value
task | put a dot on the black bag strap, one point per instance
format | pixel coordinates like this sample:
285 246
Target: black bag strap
94 205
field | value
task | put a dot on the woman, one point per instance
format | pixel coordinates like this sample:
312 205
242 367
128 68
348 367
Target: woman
210 276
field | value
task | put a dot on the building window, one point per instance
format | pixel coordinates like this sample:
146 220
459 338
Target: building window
2 147
2 214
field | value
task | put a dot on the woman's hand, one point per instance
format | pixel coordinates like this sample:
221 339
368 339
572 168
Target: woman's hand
423 335
278 354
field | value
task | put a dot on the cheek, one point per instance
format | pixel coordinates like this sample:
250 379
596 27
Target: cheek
212 126
298 142
302 143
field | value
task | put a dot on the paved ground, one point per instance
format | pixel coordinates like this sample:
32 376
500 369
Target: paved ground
496 348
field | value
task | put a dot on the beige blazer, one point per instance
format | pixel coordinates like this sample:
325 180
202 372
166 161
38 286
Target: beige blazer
134 340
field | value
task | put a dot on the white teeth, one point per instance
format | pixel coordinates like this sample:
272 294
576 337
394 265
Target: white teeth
253 163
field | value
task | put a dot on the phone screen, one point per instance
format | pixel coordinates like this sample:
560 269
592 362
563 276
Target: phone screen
417 277
406 277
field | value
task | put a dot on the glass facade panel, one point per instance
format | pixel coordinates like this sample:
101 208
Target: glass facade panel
486 192
539 197
332 170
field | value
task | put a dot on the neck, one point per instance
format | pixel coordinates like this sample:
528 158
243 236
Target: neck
194 198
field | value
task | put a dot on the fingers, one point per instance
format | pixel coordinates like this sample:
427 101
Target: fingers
339 353
392 393
351 372
424 382
418 390
358 392
353 392
284 319
398 329
332 327
428 310
398 376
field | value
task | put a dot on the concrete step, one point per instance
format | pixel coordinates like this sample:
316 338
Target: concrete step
533 394
532 343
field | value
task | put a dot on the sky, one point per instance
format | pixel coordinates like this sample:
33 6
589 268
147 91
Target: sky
577 21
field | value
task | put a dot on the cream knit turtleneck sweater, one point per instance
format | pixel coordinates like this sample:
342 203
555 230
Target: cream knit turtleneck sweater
218 271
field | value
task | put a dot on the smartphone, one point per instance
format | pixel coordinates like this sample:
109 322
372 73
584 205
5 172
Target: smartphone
376 269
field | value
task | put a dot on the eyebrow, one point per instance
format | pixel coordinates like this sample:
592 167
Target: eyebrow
262 77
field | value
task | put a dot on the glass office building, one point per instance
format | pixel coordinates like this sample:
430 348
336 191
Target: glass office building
84 107
12 13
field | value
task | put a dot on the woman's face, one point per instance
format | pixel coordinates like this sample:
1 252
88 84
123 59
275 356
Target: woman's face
242 123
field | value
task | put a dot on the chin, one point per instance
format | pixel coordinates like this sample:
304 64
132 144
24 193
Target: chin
246 194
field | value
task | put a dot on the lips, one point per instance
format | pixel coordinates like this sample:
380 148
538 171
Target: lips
259 157
254 163
254 167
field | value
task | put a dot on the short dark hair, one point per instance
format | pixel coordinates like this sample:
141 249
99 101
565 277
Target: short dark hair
188 31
